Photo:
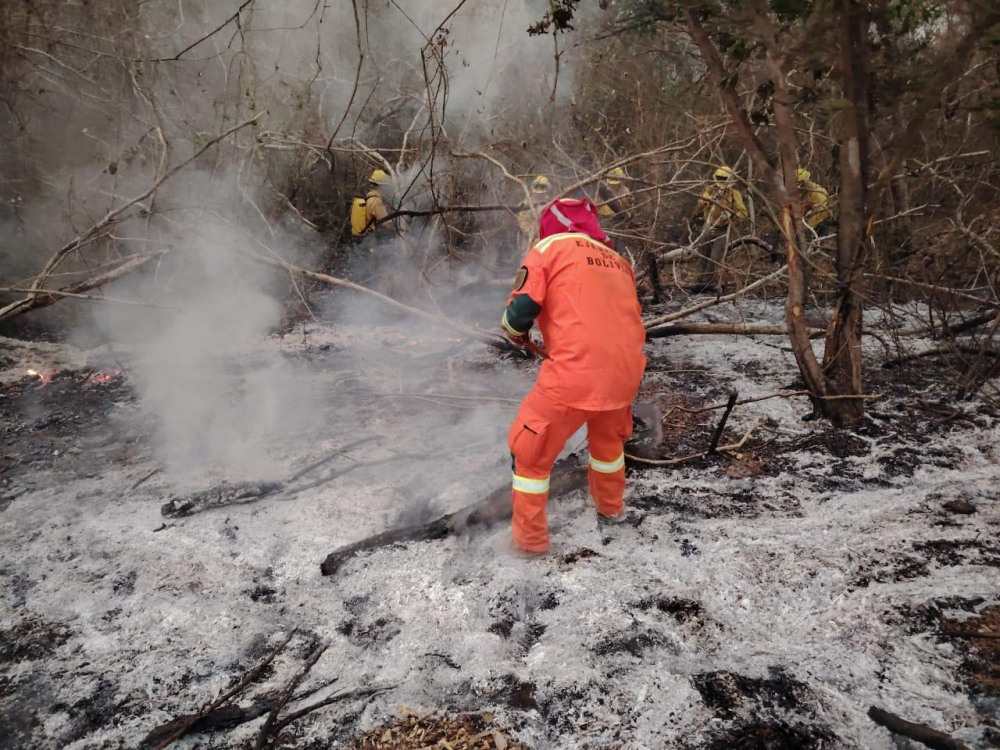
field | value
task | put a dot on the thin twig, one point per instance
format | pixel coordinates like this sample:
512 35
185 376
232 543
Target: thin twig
692 456
228 695
712 302
145 479
23 305
335 698
491 339
333 454
286 694
357 79
722 423
73 295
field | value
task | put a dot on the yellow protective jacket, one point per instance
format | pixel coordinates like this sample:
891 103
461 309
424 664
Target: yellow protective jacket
815 203
527 223
366 213
618 199
718 204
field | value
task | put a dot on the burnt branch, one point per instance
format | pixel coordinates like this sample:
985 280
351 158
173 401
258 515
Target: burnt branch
918 732
567 476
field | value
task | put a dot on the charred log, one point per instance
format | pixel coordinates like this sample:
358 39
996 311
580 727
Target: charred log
918 732
220 496
567 475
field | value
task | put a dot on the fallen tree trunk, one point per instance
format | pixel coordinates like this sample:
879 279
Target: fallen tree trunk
690 252
918 732
490 339
946 328
43 298
935 352
766 329
723 329
220 496
567 475
669 317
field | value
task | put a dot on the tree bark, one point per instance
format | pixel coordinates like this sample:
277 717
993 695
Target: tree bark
798 330
787 192
842 356
782 183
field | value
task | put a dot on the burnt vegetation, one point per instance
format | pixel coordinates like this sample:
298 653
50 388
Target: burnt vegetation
176 187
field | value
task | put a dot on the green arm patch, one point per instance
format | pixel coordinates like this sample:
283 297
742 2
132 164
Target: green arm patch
520 314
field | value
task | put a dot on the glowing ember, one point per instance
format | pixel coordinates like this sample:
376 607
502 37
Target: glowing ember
44 377
104 377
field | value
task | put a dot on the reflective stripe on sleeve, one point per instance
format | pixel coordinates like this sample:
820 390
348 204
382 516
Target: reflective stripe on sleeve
508 327
608 467
531 486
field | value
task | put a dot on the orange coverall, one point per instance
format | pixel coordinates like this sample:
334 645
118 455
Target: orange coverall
590 322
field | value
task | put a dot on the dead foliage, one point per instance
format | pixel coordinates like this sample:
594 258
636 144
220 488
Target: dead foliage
982 634
460 732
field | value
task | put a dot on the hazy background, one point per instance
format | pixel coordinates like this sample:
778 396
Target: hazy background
97 109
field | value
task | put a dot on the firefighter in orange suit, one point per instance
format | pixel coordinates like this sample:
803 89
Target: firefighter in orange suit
582 294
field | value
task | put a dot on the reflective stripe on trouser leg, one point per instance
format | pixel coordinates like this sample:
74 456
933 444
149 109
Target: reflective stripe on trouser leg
530 523
607 467
533 486
606 476
538 433
607 490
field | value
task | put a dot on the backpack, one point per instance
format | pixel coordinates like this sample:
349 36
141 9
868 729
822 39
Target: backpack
359 217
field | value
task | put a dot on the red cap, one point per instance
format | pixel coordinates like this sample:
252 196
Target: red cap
570 215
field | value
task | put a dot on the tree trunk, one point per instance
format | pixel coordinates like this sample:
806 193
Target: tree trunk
791 226
798 329
842 357
840 373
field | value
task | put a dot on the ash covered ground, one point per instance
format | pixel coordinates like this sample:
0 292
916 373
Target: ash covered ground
762 599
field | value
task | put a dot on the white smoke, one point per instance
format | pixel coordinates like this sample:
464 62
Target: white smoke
427 73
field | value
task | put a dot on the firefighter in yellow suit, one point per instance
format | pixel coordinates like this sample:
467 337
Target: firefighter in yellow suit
368 211
616 198
815 203
527 224
718 205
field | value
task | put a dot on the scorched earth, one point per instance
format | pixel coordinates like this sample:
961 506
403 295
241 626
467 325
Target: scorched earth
763 597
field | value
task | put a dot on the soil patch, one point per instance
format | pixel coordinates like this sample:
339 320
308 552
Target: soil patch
981 667
61 426
769 713
32 638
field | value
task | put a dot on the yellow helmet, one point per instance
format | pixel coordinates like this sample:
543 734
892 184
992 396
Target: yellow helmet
616 175
379 177
540 184
802 174
723 174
